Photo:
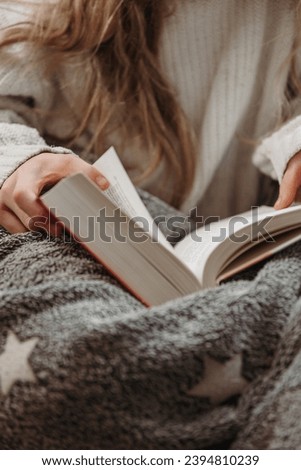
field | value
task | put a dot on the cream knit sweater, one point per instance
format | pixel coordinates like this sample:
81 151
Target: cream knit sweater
226 61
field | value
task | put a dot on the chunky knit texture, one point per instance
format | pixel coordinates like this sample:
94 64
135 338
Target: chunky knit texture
19 143
104 372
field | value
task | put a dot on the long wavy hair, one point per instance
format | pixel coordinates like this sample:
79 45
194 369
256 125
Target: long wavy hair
119 40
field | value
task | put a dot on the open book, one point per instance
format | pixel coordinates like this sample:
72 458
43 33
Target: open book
115 226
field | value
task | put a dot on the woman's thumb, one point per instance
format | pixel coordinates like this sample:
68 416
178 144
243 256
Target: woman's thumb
288 189
98 178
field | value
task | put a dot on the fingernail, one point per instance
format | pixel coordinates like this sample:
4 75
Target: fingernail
102 182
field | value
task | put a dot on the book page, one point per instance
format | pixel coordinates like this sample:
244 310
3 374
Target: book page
123 194
196 248
221 242
149 270
259 253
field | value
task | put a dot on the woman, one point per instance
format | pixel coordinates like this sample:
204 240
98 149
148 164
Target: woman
184 93
187 95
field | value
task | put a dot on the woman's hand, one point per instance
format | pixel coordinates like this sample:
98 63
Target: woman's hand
20 206
290 184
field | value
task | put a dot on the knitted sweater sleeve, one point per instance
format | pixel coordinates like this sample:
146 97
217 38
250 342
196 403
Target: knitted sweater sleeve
276 150
19 142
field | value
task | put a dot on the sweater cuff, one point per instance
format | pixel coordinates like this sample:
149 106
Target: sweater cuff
274 153
19 146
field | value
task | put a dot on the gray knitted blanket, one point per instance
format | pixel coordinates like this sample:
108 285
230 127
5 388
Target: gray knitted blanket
83 365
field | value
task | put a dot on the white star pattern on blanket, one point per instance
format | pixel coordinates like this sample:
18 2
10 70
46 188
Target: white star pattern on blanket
221 380
14 365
